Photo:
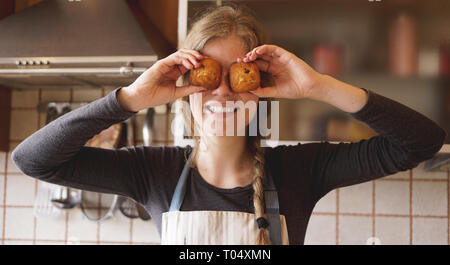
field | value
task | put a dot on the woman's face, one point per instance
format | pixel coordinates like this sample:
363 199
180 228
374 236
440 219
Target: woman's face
220 120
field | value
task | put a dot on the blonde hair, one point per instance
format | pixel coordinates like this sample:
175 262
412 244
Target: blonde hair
218 22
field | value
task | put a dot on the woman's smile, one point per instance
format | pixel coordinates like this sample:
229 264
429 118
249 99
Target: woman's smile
221 108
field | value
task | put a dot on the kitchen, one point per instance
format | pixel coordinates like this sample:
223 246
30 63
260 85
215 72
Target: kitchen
50 65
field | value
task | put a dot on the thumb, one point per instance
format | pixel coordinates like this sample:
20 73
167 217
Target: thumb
266 92
182 91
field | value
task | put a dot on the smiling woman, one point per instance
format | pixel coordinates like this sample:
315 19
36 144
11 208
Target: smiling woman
226 34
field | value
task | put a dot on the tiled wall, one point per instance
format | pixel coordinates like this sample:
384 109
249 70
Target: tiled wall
409 207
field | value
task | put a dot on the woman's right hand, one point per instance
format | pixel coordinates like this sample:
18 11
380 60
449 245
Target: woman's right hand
157 85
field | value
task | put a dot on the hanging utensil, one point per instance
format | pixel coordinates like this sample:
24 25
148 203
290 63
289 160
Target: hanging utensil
43 207
67 200
147 128
143 214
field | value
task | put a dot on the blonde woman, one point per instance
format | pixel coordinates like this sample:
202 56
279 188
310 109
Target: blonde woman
228 189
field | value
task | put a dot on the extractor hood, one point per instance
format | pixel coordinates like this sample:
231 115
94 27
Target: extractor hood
61 43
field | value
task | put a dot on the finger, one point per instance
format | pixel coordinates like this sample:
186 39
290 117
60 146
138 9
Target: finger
264 52
253 57
271 50
263 65
187 90
192 59
181 59
180 65
265 92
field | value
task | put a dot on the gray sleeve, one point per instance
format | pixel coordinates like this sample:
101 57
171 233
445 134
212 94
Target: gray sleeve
406 138
56 153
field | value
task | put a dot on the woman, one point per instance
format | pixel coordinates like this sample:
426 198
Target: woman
236 192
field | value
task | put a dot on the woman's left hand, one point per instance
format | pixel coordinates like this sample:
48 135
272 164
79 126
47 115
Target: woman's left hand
293 77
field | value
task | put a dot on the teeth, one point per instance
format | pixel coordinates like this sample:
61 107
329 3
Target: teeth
217 109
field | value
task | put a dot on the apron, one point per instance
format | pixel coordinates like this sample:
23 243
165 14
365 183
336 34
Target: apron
220 227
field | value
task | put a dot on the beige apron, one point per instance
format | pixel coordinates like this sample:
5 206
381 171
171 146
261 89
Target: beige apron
220 227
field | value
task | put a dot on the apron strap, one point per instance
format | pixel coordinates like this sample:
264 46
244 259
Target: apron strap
272 209
180 189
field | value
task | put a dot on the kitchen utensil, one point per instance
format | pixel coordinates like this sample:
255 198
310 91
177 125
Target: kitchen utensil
403 45
93 205
128 207
67 200
143 214
43 207
440 162
147 129
98 207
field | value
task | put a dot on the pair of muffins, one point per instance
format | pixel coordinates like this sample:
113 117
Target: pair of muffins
244 77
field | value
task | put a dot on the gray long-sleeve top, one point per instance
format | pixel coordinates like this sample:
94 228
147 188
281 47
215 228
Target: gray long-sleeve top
302 173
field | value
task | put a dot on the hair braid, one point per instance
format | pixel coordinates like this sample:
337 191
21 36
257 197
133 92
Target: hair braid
258 196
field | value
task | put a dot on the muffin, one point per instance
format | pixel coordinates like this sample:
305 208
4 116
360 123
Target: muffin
244 77
208 75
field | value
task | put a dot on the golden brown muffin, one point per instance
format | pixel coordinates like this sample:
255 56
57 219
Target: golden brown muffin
208 75
244 77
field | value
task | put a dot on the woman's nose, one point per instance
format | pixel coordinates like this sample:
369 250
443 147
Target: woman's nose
224 87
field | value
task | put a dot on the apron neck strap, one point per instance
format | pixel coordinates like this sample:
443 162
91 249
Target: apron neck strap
180 189
272 208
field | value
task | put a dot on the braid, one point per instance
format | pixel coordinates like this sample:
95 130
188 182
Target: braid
258 199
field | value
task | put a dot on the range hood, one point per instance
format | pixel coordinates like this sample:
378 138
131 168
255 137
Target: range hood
71 43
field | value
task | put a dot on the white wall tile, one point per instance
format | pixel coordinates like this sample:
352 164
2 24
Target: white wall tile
1 221
109 243
356 198
12 166
18 242
80 227
43 242
392 197
145 232
24 98
51 228
23 124
392 230
429 198
354 230
85 243
2 188
2 162
399 175
20 190
115 229
327 203
321 230
19 223
430 231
